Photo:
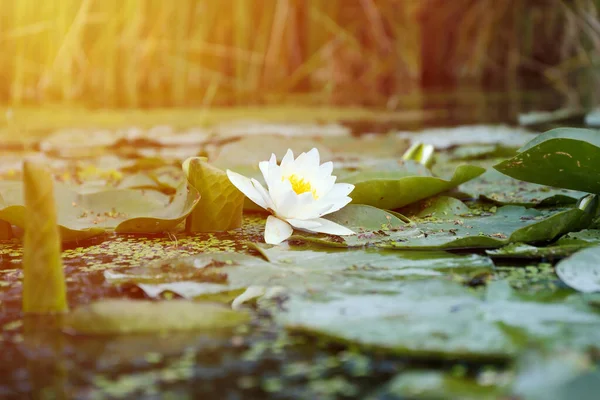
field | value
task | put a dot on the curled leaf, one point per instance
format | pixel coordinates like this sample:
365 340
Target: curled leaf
221 203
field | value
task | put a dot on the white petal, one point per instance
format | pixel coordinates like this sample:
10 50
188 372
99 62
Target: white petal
295 205
279 188
287 159
326 169
276 230
323 185
263 194
327 226
340 190
303 224
338 205
264 167
307 165
246 186
312 158
332 201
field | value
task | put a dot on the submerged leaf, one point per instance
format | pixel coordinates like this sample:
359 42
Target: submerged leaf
108 317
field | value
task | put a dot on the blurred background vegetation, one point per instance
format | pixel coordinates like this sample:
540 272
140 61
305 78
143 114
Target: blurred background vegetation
394 54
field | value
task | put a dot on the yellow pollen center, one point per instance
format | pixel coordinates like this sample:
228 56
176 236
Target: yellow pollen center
301 186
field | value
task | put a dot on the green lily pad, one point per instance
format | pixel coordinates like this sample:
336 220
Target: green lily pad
481 151
563 115
442 207
296 270
427 319
444 138
564 157
509 224
437 385
563 247
503 190
440 319
526 251
220 207
395 189
558 375
250 150
581 271
109 317
81 216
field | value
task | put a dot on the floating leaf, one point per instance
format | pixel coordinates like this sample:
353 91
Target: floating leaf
563 115
432 384
221 203
376 263
295 270
444 138
563 157
592 118
503 190
428 319
250 150
81 216
108 317
508 224
563 247
439 319
555 376
395 189
581 271
441 207
476 152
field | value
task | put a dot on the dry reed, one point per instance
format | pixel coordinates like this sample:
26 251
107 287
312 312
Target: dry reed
151 53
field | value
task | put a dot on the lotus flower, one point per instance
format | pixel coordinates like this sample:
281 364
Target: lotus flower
299 192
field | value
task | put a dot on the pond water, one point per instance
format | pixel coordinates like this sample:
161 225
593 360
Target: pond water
434 319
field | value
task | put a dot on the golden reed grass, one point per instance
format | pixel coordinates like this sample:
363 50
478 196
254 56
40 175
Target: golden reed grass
153 53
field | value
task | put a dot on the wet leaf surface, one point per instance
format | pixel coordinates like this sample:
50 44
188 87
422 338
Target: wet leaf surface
295 270
395 189
581 271
564 158
503 190
433 384
440 228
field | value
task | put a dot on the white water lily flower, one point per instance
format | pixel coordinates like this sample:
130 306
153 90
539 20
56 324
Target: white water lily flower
300 192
